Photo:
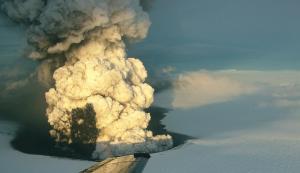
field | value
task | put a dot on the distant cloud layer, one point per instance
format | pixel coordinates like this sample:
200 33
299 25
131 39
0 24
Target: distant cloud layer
200 88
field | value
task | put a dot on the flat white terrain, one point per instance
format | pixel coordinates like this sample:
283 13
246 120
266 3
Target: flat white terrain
243 121
15 161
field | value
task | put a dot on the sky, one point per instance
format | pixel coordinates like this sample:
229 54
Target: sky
206 34
216 34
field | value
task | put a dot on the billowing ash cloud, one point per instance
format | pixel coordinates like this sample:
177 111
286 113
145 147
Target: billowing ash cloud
89 35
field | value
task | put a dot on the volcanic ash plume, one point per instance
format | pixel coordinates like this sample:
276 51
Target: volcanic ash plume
97 78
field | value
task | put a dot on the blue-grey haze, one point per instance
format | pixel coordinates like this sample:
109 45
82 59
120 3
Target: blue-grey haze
216 34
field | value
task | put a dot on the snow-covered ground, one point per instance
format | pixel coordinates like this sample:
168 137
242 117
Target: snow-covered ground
240 131
15 161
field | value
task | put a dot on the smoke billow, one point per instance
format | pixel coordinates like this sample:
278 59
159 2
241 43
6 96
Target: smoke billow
89 36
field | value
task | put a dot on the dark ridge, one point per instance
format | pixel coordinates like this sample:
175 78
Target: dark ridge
34 138
155 125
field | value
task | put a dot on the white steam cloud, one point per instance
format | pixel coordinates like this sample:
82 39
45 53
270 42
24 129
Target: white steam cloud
90 36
